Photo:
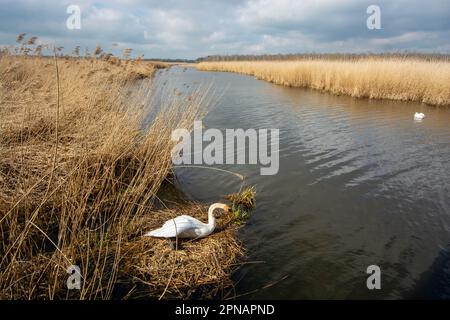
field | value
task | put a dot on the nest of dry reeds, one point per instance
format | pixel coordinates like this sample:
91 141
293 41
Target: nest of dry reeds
195 268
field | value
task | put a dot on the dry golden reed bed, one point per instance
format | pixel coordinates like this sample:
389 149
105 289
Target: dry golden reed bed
390 78
80 179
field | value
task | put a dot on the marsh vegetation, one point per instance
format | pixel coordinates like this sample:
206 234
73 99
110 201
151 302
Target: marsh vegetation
406 78
82 173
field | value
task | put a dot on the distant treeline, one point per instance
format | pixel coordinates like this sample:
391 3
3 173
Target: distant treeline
328 56
171 60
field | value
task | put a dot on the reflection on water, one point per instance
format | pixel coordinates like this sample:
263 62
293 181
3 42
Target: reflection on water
360 183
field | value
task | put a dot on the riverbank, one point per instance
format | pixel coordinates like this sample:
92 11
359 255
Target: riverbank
80 182
405 79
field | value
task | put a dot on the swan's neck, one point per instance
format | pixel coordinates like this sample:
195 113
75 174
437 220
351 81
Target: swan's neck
211 218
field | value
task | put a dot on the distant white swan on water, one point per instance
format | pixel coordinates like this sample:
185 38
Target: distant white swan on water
188 227
419 116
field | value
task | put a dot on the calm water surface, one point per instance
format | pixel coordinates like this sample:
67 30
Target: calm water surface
359 183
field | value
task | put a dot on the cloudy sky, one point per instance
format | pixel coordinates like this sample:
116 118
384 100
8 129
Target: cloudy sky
190 29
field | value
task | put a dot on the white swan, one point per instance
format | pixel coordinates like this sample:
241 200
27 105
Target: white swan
419 116
187 227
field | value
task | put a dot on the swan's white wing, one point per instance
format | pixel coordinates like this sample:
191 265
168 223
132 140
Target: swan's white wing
183 219
181 225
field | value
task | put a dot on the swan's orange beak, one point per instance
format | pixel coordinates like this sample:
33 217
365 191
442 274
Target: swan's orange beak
227 208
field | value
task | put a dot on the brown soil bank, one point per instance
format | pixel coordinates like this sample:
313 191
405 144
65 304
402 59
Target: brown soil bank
405 79
79 179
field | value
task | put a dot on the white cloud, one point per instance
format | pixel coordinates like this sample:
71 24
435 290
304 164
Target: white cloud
289 11
105 14
214 37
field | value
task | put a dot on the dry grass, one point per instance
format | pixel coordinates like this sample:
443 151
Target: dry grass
80 179
397 79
